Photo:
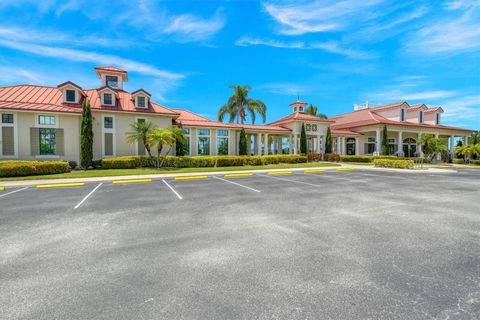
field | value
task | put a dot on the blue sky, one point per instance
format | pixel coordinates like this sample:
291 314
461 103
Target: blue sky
186 53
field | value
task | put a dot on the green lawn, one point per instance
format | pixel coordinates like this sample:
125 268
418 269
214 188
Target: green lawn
140 171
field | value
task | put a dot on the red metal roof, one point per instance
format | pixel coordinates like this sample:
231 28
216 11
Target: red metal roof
110 68
298 102
416 107
49 99
439 109
300 116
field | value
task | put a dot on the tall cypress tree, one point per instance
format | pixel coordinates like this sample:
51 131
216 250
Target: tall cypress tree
303 140
242 144
86 136
385 141
179 146
328 141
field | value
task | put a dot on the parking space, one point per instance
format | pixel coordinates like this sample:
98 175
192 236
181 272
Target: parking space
342 245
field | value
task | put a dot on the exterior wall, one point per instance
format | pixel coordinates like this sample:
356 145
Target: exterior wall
431 118
69 123
121 125
392 114
413 116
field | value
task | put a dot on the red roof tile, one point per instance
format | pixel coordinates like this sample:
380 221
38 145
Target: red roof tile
416 107
436 109
301 117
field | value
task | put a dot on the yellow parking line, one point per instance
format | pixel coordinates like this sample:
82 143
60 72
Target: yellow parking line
235 175
60 185
191 178
2 188
444 167
313 171
131 181
344 169
279 172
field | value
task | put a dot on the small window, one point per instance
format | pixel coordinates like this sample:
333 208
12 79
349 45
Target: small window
295 109
420 117
308 127
437 120
70 96
46 120
370 139
7 118
111 81
108 123
203 132
402 114
107 99
186 131
141 102
140 120
391 141
222 133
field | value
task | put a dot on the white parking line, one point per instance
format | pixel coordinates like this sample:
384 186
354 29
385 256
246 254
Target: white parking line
173 190
289 180
6 194
88 195
237 184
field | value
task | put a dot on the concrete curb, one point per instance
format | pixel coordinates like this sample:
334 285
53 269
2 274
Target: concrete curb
25 183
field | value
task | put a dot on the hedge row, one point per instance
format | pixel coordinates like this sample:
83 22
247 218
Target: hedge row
368 159
461 161
390 163
17 168
131 162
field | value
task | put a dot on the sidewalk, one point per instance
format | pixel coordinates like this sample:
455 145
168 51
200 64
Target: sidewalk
27 183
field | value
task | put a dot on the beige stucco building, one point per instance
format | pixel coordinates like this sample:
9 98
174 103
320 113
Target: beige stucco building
41 122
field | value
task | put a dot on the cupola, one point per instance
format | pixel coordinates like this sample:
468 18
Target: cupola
71 92
298 106
112 77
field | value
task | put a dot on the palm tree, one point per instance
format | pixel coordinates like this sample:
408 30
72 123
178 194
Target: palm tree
140 132
239 104
469 150
165 137
433 146
475 137
313 110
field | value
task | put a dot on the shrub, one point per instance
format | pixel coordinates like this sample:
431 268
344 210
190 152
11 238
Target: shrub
386 157
332 157
231 161
28 168
119 163
458 161
389 163
475 162
364 159
72 164
314 157
97 164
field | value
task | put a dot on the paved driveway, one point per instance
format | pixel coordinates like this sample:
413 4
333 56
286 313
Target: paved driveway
334 245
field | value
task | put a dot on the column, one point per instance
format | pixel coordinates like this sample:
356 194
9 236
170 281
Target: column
193 142
249 144
419 145
295 144
290 144
257 144
357 146
466 141
438 156
267 145
319 144
237 142
377 142
213 142
400 144
452 147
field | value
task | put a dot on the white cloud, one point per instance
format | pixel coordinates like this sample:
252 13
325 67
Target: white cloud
319 16
9 75
463 109
193 28
452 34
283 88
398 95
329 46
90 56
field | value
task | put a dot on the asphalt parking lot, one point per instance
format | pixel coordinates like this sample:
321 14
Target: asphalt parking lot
331 245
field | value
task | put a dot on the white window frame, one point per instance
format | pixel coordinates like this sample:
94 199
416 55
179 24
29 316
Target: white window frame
146 101
209 136
103 98
109 130
37 120
15 136
228 140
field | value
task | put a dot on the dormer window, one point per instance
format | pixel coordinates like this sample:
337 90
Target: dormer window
402 114
141 102
420 117
437 119
70 96
111 81
108 99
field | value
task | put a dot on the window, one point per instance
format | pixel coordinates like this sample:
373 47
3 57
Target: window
47 141
140 120
314 127
420 117
371 145
203 142
222 142
186 145
437 119
7 118
402 114
46 120
308 127
108 122
111 81
294 109
107 99
391 146
141 102
70 96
